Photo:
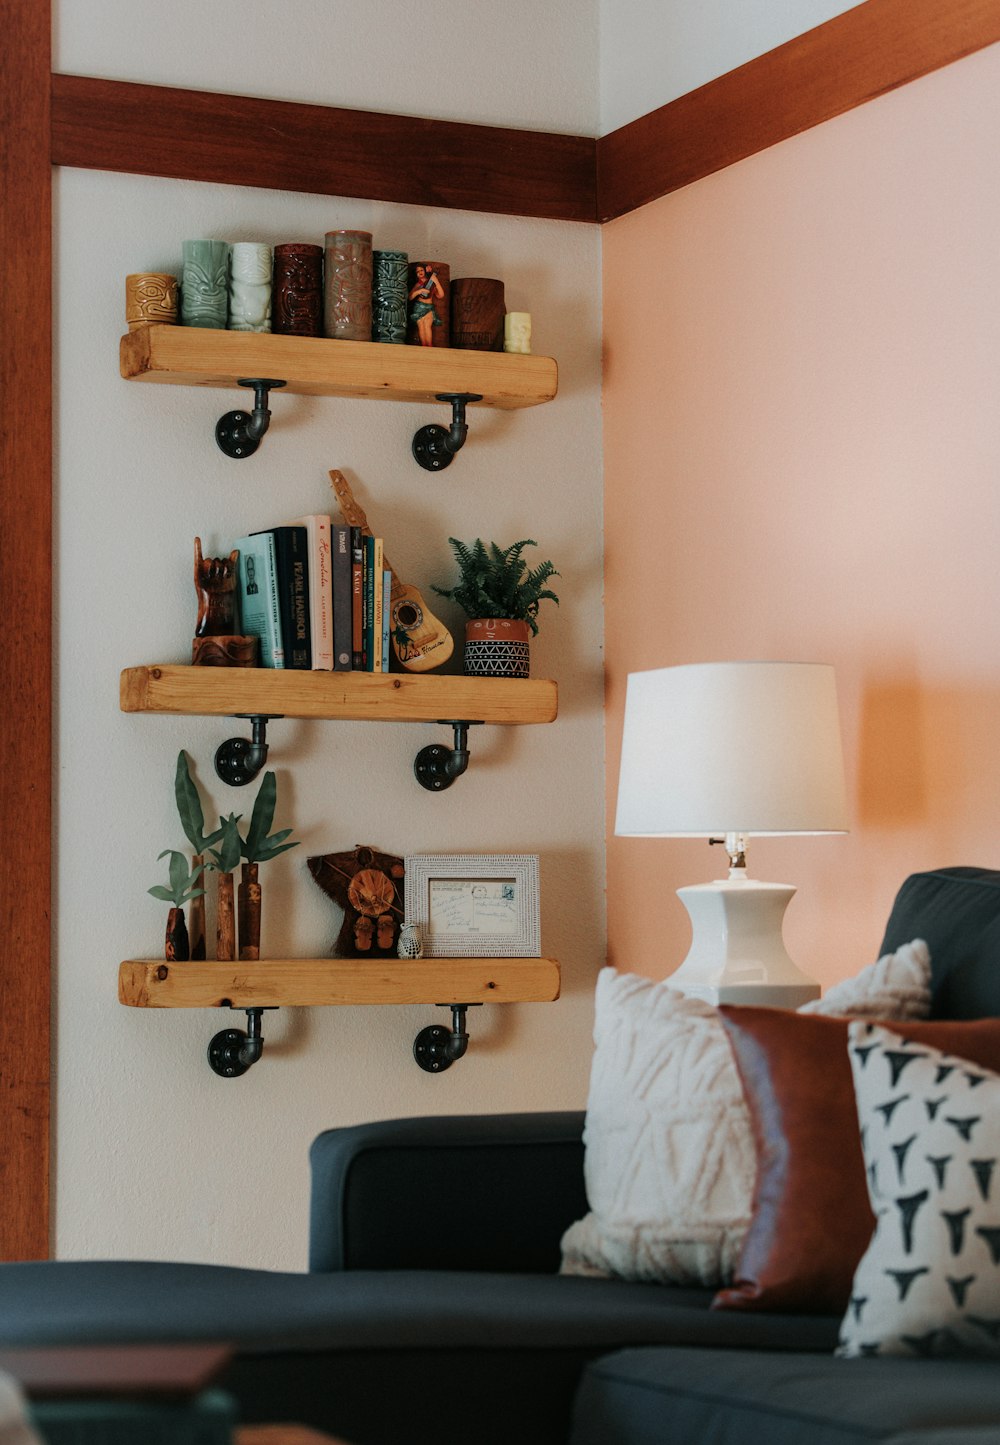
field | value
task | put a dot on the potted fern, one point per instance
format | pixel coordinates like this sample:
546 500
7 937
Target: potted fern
500 594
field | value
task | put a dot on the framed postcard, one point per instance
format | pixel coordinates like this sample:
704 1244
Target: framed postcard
475 905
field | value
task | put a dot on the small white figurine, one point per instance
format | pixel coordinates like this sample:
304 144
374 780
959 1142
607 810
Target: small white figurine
517 332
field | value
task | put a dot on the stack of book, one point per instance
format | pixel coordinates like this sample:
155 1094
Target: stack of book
316 594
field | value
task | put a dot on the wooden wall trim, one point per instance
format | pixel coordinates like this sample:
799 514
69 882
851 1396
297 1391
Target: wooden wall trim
26 603
853 58
323 150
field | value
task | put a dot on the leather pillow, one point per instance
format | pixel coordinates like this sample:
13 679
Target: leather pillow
811 1219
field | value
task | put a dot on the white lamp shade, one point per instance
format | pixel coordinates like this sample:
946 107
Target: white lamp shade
732 747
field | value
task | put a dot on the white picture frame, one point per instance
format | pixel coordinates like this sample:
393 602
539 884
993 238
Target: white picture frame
474 905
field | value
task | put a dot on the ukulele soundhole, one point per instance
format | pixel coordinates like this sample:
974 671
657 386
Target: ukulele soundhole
407 616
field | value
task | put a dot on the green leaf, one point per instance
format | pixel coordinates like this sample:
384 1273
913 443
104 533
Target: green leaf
227 855
261 817
158 891
189 807
271 849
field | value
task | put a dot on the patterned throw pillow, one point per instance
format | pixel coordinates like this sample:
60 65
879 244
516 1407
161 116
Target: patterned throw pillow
669 1153
929 1282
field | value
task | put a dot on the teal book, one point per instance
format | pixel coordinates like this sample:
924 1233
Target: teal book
260 611
386 615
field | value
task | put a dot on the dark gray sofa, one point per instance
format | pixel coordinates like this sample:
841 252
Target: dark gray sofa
432 1312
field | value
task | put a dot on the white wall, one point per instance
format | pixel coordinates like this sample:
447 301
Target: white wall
156 1156
652 51
517 63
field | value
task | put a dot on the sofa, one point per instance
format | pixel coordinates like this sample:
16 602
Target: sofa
433 1311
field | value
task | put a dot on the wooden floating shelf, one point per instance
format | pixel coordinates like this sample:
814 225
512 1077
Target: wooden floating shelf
343 696
321 982
314 366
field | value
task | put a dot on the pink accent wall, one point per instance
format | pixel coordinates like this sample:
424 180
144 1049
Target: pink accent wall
802 461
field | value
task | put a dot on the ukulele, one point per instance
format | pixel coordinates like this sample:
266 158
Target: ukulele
418 639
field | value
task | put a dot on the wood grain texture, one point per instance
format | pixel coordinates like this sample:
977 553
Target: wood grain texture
25 659
196 356
324 982
853 58
322 150
341 696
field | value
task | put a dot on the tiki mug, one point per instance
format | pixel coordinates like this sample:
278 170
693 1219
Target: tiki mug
429 314
297 295
389 296
205 284
250 286
517 333
347 286
477 312
150 297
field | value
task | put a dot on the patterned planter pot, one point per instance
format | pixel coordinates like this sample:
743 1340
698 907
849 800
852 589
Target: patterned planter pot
497 647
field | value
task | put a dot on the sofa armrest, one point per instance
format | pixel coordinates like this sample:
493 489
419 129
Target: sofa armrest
480 1192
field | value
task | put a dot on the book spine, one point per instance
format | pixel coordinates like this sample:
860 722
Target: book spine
319 559
377 595
357 597
293 595
369 604
260 614
386 615
340 537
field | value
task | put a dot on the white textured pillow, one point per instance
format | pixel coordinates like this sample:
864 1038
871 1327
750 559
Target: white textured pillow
929 1282
669 1158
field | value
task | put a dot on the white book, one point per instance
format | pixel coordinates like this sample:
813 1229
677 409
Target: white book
320 588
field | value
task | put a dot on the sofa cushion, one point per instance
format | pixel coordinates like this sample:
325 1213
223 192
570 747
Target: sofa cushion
929 1282
812 1219
957 910
370 1355
743 1397
670 1160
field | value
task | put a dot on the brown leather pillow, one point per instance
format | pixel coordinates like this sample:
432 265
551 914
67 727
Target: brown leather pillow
811 1217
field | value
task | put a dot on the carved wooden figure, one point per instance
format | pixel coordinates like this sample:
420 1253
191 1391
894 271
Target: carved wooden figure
368 886
216 642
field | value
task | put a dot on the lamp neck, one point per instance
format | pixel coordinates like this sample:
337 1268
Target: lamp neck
735 846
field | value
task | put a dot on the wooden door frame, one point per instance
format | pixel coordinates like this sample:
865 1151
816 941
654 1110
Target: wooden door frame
48 120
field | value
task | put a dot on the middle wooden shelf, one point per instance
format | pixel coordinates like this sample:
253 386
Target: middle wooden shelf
347 696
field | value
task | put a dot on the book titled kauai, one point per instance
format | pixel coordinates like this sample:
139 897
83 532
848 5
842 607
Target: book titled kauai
260 613
357 599
340 537
290 544
320 570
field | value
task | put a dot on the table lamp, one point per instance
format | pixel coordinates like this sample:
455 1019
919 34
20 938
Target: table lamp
728 751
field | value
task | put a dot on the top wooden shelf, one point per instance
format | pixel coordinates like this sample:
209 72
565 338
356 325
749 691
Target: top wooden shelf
314 366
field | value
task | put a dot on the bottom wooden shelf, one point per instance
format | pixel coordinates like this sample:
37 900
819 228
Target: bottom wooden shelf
321 982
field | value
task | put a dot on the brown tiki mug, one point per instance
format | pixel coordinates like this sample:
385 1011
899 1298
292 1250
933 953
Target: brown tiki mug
477 312
297 291
347 286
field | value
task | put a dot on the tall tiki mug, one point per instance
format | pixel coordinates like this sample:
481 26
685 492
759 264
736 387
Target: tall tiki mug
250 286
389 296
205 284
429 314
150 298
297 296
347 286
477 312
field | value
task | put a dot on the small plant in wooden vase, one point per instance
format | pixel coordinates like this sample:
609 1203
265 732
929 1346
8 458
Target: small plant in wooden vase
500 594
181 890
224 849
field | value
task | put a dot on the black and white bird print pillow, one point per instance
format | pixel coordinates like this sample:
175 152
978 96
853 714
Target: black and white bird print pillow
929 1282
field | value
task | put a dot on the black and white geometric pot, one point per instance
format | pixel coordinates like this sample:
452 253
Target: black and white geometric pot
497 647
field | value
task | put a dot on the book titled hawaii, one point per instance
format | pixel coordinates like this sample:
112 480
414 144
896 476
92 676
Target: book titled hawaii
260 613
320 580
342 606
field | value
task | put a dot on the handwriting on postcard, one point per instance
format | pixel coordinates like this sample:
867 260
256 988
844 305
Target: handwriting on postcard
465 905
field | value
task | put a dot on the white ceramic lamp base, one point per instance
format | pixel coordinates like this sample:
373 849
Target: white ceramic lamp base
737 954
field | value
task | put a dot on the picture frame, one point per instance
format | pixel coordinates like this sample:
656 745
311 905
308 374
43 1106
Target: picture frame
474 905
